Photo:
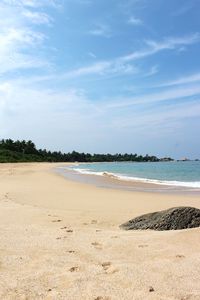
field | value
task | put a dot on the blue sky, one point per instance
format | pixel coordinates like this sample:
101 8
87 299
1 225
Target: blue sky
101 76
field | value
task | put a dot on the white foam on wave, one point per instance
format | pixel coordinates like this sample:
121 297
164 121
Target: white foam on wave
193 184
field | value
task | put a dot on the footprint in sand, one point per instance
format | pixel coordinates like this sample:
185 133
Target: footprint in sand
94 222
180 256
151 289
6 196
56 221
143 246
108 268
65 227
97 245
74 269
106 265
54 216
69 230
102 298
71 251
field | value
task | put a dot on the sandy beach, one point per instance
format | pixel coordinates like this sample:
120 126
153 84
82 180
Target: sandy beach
60 239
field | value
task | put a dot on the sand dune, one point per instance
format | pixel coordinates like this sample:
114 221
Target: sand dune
60 240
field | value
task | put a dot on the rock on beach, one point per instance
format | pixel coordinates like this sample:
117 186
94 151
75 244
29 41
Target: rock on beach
175 218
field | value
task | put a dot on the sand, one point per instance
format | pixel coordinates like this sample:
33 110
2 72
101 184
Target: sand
60 240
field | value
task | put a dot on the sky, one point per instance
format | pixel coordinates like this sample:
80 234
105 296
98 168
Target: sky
102 76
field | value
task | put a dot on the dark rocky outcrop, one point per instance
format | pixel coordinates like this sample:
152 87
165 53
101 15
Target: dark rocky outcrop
171 219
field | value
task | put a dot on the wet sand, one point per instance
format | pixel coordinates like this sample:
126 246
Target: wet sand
112 182
60 240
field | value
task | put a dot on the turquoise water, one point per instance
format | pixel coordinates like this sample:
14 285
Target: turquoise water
186 174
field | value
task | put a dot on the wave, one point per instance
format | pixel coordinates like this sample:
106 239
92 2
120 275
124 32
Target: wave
193 184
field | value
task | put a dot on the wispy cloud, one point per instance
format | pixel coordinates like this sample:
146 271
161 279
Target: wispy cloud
158 117
102 30
182 80
169 43
103 68
173 42
167 95
91 54
37 17
122 64
97 68
183 9
135 21
153 70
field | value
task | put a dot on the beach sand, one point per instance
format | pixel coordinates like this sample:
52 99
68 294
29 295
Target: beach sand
60 240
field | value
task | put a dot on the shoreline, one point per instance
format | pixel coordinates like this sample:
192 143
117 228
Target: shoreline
60 239
110 181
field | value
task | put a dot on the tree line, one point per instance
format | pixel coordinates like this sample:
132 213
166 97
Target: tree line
26 151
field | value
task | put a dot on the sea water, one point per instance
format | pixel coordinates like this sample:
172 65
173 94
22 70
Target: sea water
175 173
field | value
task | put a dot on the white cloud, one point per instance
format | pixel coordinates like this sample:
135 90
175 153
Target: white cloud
135 21
67 114
88 122
13 44
20 42
37 17
32 3
14 37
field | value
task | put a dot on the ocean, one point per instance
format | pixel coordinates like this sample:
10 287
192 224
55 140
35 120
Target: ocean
180 174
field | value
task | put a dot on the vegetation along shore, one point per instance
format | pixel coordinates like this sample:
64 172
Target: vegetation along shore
26 151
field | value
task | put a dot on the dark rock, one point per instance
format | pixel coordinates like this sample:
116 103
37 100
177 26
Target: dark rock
171 219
